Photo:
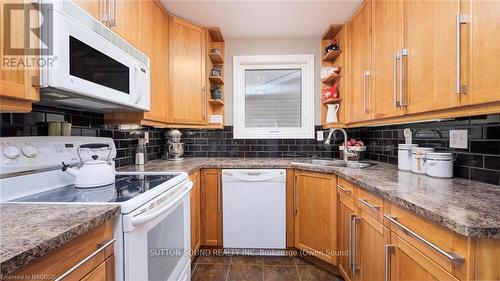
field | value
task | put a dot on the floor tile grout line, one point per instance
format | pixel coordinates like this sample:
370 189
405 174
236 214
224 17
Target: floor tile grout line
228 268
297 269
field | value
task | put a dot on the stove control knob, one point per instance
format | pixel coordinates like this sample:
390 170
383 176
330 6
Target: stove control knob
11 152
29 151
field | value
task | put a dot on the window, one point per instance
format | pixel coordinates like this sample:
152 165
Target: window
273 96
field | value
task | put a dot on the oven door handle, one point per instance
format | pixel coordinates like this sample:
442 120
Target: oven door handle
148 216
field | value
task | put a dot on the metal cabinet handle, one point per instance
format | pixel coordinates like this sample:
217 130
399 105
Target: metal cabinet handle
105 15
397 57
349 257
204 92
461 19
354 267
404 53
93 254
295 209
218 192
388 249
114 23
453 257
365 202
343 189
366 73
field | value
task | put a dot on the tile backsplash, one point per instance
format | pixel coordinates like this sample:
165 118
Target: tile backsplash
36 123
480 161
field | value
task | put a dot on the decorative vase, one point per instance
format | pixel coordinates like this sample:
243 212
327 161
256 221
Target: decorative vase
331 114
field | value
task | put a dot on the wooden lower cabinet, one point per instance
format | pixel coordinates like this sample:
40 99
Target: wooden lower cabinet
211 207
62 260
346 211
373 237
315 200
194 200
407 263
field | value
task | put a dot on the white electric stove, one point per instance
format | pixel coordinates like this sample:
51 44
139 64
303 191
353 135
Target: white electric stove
153 230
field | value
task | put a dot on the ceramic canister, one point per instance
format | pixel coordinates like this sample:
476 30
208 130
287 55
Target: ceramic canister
418 159
404 156
439 164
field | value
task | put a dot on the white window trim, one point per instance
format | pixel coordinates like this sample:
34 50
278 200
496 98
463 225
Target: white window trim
303 62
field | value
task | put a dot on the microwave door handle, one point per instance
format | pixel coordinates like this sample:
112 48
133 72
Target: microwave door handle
148 216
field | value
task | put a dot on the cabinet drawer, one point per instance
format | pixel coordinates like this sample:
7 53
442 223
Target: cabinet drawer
345 188
442 246
75 259
370 203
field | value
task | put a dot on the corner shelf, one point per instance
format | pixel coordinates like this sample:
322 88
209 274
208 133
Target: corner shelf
330 78
332 31
217 80
216 102
332 55
216 58
335 100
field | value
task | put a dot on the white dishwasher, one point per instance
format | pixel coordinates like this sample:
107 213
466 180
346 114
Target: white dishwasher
254 208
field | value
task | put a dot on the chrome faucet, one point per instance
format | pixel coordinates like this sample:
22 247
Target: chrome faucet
328 139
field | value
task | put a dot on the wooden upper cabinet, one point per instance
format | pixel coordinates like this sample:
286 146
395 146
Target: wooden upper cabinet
127 20
17 90
315 214
93 7
187 94
407 263
387 42
359 108
155 46
211 207
480 52
430 66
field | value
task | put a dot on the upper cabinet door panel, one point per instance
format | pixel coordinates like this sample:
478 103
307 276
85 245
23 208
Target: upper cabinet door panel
430 66
93 7
359 63
128 21
187 100
481 52
387 42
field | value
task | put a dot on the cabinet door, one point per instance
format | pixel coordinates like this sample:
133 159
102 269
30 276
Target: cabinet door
315 214
430 65
407 263
93 7
359 65
127 20
16 83
103 272
194 197
480 53
373 237
211 207
187 95
346 213
387 41
155 46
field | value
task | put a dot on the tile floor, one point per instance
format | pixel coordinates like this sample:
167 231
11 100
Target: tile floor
257 268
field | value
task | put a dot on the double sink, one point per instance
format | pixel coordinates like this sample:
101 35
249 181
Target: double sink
334 163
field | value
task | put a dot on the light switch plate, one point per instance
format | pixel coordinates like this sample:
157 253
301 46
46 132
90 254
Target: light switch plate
319 136
459 139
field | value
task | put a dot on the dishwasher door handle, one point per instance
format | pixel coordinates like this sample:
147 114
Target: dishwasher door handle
253 176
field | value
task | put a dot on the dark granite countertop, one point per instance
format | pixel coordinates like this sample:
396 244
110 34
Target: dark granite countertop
466 207
29 231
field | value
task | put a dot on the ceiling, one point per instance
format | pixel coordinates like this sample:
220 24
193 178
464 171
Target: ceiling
246 19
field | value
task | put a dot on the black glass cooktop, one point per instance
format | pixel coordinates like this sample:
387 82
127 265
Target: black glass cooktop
124 188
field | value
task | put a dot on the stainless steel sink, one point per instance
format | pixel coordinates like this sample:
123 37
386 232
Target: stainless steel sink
334 163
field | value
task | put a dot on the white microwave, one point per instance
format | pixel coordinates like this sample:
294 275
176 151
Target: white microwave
92 68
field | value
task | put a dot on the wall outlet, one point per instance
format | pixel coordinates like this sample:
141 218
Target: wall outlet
459 139
319 135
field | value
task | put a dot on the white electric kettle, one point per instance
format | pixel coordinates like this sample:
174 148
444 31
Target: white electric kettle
92 173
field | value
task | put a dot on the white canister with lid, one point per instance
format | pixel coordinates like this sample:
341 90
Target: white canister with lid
418 159
404 156
440 164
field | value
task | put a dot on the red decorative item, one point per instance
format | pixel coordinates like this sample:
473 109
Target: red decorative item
330 92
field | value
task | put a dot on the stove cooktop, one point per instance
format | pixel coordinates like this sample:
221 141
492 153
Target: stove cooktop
125 187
